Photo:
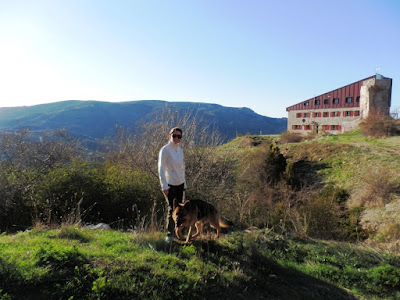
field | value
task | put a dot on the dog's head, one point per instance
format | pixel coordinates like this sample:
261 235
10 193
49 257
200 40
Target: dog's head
180 214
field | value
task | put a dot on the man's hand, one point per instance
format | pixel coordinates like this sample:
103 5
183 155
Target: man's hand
165 192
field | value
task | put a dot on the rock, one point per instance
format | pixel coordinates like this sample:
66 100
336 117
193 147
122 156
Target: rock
100 226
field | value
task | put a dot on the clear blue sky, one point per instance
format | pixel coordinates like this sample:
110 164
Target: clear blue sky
261 54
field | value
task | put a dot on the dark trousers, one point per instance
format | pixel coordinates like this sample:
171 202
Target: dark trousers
175 192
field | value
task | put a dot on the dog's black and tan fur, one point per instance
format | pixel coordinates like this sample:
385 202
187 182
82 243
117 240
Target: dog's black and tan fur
196 213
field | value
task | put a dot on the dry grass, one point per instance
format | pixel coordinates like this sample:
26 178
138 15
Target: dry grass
379 186
290 137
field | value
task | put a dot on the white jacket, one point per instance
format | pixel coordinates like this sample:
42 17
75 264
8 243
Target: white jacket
171 167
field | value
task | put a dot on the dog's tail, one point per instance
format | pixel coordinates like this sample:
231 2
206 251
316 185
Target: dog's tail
224 223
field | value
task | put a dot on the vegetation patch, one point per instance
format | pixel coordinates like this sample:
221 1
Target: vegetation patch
237 266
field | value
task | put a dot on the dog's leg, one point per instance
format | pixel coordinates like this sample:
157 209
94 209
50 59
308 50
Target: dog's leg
215 224
189 233
218 231
178 232
199 228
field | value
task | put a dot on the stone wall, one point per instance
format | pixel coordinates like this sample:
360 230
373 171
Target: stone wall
375 94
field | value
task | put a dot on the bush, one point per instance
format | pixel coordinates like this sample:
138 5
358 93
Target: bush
327 217
274 166
378 124
290 137
93 192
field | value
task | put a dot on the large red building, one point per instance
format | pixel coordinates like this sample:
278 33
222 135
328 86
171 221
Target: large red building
342 109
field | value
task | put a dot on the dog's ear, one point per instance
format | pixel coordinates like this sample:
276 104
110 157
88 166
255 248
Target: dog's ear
174 203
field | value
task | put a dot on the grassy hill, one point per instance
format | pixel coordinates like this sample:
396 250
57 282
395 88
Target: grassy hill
267 263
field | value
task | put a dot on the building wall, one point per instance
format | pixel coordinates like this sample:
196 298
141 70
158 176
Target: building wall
323 121
342 109
375 94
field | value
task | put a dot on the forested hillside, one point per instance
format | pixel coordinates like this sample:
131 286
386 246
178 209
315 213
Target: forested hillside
91 120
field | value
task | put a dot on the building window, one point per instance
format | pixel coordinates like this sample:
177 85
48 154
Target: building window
317 102
317 115
307 127
298 115
335 114
306 103
306 115
325 114
326 101
349 100
296 127
334 127
358 99
356 113
335 101
348 113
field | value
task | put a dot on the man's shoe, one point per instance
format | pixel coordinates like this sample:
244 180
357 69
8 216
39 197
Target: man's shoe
168 238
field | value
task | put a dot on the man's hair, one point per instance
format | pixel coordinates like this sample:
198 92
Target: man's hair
175 129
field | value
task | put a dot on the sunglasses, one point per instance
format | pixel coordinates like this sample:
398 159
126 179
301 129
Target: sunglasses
176 136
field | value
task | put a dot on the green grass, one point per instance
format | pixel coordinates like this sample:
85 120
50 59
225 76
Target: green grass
343 158
73 263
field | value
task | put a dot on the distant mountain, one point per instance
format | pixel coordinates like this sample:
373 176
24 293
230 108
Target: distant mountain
92 120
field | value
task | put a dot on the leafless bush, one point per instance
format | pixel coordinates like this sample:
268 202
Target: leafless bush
378 124
22 150
258 187
290 137
140 147
325 215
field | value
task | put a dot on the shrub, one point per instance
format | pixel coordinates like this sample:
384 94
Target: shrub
93 192
327 217
290 137
378 124
274 166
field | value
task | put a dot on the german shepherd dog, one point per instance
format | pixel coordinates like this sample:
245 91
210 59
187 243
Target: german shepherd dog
196 213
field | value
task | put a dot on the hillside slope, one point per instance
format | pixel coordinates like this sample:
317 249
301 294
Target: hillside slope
369 169
94 119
